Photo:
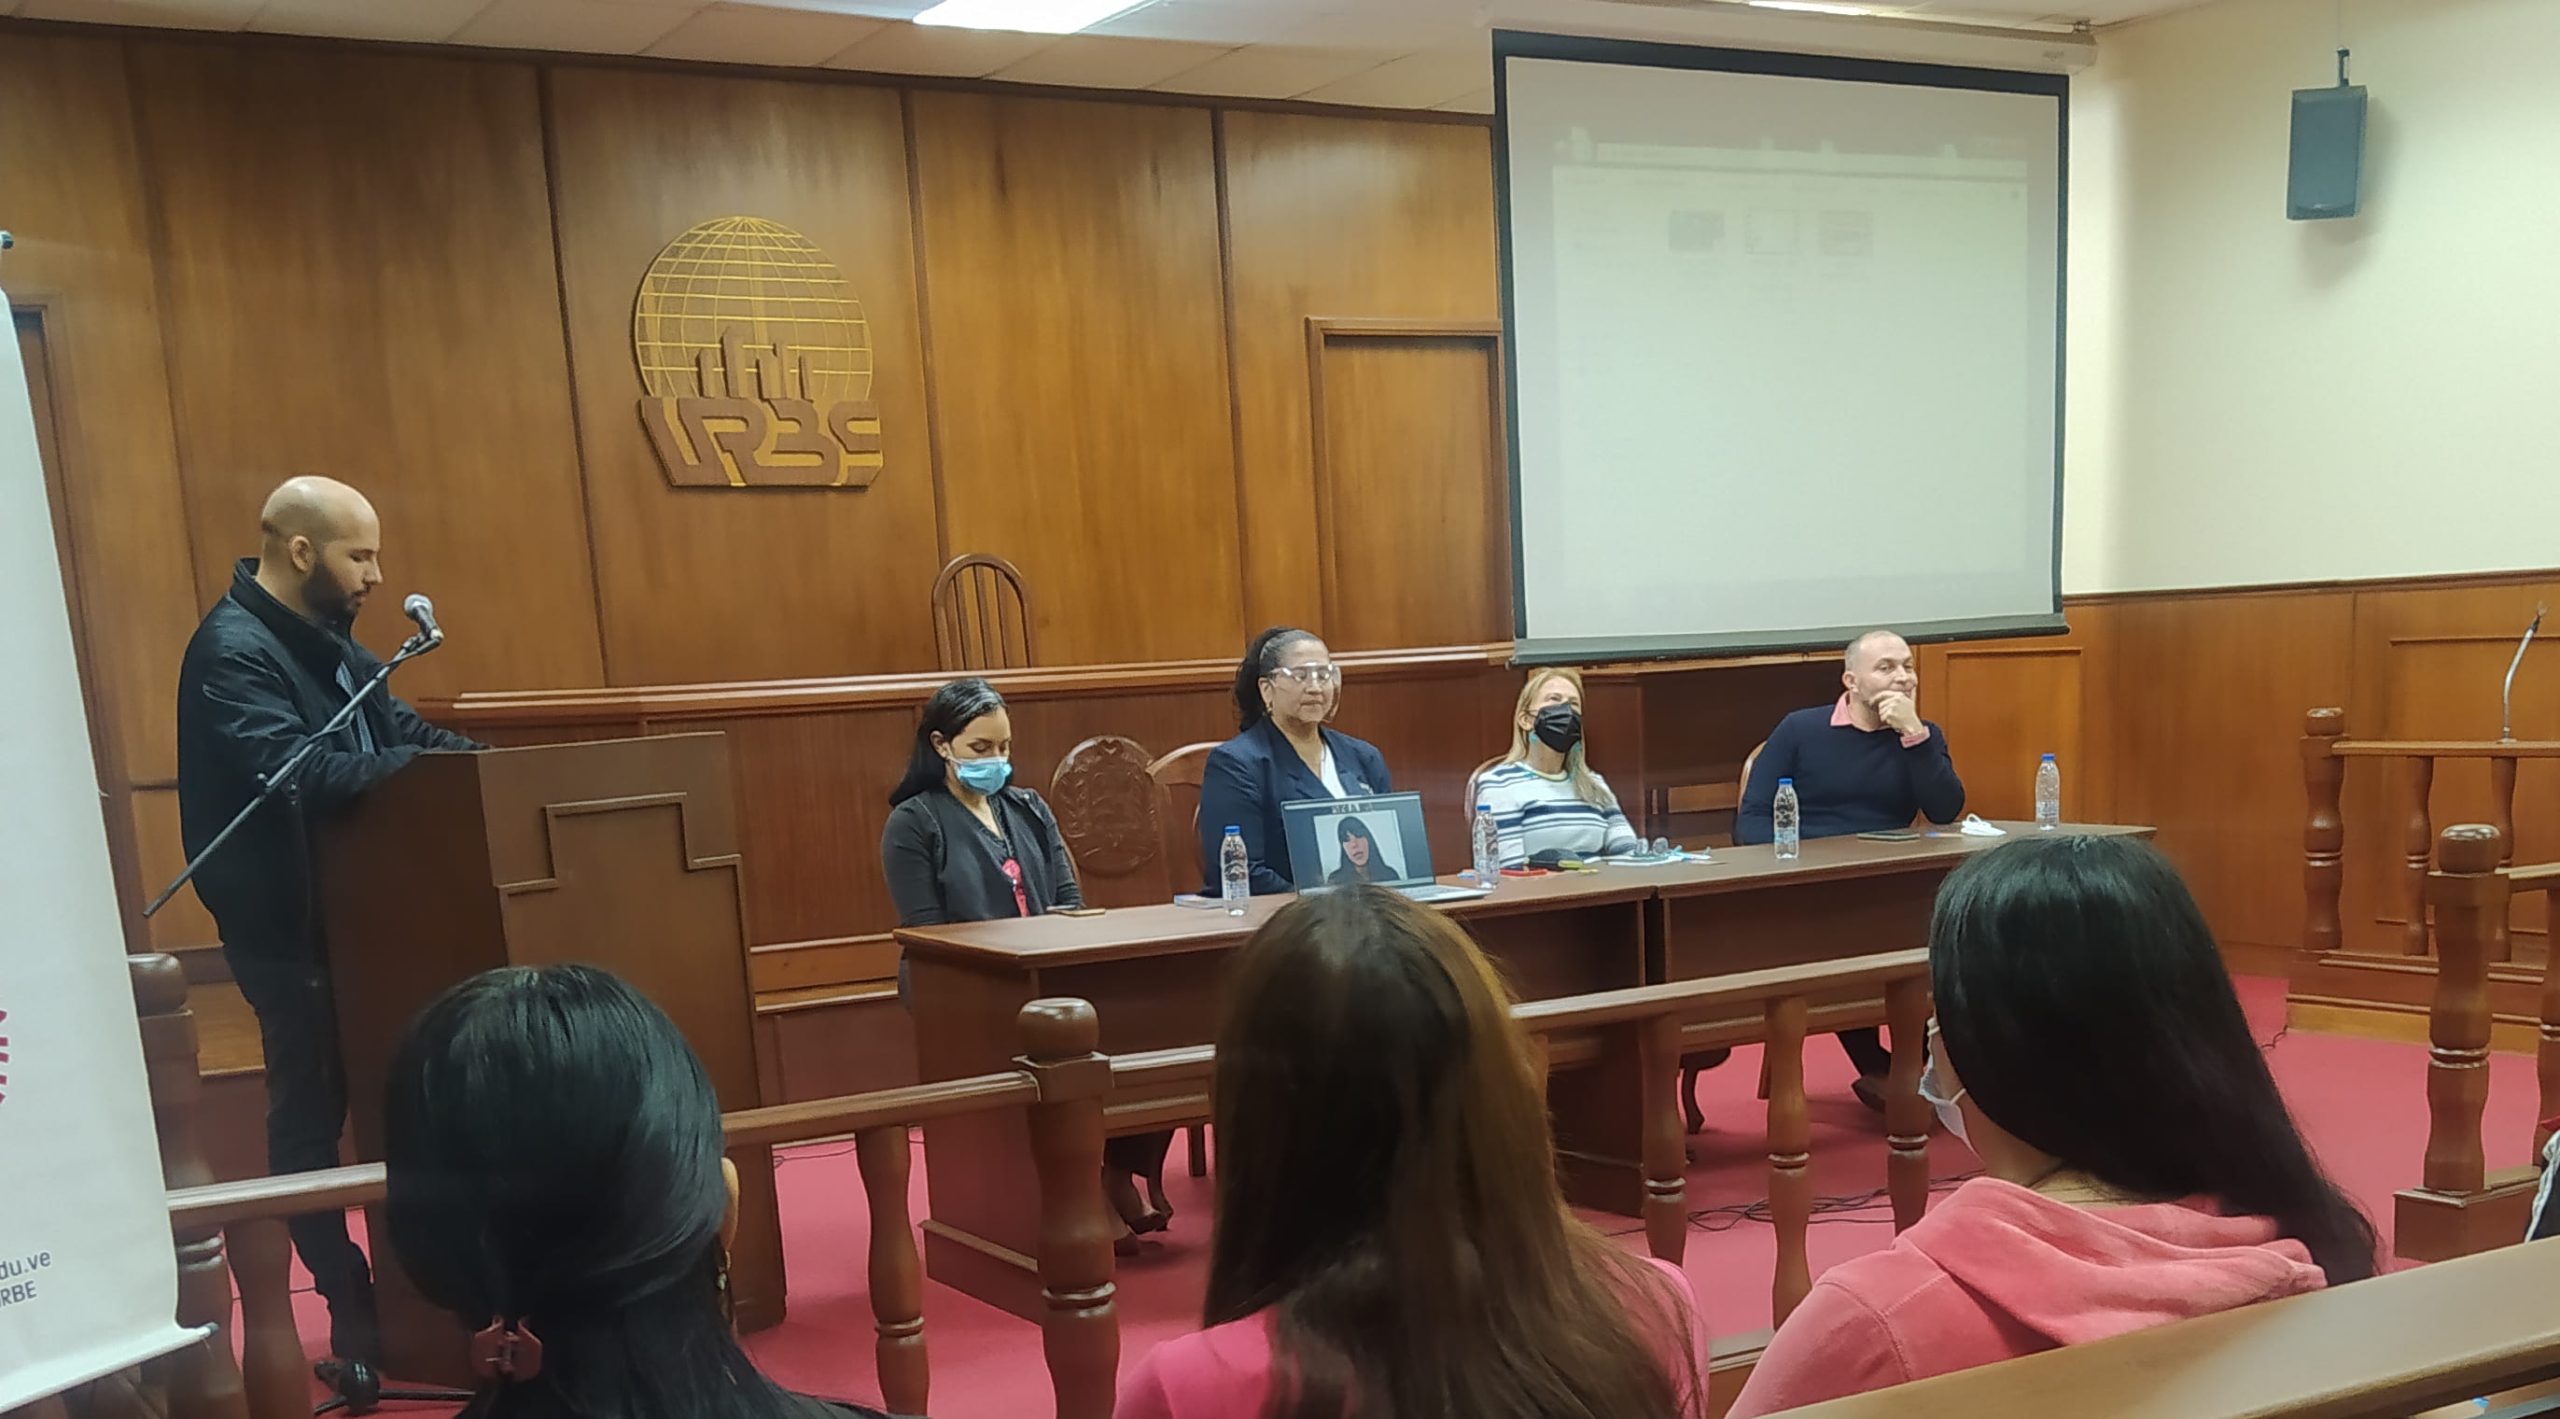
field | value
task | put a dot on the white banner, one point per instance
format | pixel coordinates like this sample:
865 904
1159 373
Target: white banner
88 1283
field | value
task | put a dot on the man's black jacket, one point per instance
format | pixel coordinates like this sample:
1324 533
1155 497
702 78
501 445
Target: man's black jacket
256 679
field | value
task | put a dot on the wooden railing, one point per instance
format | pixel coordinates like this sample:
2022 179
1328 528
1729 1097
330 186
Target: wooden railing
235 1231
2325 753
2459 1206
1654 1025
2388 1348
229 1232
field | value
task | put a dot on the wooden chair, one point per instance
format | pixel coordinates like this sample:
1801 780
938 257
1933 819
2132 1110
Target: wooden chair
1110 813
981 615
1695 1064
1177 777
1474 777
1742 782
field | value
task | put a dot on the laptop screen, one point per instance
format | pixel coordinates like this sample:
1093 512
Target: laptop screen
1335 842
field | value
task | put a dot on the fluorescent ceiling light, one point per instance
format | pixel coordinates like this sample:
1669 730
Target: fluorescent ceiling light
1028 16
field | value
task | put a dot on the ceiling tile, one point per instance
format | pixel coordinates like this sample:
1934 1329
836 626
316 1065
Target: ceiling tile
1274 71
1097 61
868 9
418 20
1399 27
167 14
755 34
577 26
938 50
1421 80
1201 20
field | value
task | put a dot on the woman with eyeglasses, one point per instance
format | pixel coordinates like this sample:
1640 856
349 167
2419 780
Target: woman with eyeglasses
2139 1166
1283 752
966 843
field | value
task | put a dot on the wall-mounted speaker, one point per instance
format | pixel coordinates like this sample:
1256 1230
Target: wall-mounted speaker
2326 175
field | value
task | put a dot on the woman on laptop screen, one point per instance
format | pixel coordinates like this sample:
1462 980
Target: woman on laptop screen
1362 859
1284 752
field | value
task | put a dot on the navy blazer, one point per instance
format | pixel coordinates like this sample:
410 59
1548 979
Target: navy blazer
1250 776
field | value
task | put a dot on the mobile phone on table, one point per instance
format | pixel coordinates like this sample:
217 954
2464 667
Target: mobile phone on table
1893 835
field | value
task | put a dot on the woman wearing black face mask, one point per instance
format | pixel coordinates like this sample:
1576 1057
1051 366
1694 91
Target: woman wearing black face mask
1545 799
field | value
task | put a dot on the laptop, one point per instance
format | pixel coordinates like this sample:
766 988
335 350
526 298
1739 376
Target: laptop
1379 839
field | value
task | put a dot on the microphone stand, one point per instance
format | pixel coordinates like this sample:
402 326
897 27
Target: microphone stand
354 1385
276 782
2506 694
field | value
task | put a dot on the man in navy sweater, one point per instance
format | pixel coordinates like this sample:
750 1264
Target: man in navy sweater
1866 763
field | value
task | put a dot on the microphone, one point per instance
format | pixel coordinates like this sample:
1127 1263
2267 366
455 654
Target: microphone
2506 710
419 609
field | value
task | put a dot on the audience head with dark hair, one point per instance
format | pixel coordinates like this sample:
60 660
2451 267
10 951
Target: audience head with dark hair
2140 1166
556 1183
2086 1016
1389 1224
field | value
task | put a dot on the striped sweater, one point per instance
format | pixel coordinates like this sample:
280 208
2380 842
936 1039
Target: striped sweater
1540 814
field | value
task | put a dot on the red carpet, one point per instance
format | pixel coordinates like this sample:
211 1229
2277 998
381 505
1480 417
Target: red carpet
2362 1103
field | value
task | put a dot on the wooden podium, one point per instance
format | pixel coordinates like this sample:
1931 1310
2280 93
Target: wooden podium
621 854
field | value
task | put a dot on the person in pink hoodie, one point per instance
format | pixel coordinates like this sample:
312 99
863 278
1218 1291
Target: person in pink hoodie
2139 1167
1390 1239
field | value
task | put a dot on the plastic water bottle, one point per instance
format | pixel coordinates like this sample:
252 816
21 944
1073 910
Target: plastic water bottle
1488 842
1783 829
1235 871
2048 794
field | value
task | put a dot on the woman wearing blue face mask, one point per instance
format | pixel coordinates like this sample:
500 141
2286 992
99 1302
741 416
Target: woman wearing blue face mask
966 843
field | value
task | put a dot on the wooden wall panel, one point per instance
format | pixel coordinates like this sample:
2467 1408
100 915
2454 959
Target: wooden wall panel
76 203
357 251
819 786
1071 268
2016 702
2428 665
2191 707
1337 217
82 269
705 584
1409 455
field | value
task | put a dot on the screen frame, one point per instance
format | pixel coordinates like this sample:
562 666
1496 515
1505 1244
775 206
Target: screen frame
1299 816
1510 44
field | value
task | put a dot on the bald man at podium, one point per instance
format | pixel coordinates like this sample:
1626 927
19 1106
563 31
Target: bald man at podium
270 664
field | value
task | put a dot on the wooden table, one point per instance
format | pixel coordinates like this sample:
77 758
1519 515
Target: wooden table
1156 974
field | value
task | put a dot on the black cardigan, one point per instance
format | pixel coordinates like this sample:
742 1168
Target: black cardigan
941 867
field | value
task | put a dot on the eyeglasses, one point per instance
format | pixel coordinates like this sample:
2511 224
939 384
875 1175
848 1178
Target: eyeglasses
1313 677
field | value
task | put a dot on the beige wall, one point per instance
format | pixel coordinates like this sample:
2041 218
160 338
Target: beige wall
2255 400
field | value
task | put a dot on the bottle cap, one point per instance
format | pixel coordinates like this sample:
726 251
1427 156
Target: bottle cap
1484 807
2048 758
1786 783
1234 828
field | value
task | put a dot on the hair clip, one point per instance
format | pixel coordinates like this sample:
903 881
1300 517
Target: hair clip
506 1351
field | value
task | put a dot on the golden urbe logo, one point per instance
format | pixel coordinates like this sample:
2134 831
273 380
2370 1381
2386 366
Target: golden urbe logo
757 361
